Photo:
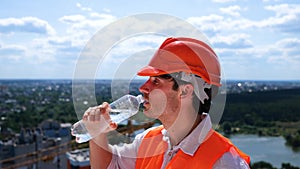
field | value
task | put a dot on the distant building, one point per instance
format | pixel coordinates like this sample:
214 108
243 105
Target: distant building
48 140
53 129
78 159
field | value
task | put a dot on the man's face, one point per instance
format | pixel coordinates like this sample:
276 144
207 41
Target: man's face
161 100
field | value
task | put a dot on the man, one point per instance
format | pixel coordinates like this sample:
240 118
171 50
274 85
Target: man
183 77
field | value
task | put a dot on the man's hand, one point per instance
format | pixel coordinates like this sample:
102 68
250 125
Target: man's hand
97 120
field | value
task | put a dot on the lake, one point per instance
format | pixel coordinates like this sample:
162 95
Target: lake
269 149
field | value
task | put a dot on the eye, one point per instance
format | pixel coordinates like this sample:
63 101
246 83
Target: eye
155 81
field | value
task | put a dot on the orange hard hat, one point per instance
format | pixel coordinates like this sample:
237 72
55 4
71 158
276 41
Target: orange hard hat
185 55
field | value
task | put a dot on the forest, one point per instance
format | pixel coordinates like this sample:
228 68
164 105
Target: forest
271 113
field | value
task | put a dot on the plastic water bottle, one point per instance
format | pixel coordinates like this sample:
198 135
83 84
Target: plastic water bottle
121 109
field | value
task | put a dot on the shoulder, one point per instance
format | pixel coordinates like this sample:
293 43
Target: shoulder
150 130
231 159
134 145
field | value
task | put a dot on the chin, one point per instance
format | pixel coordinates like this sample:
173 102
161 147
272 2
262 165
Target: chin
151 114
147 113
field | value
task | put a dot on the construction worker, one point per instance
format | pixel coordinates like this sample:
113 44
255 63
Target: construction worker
183 75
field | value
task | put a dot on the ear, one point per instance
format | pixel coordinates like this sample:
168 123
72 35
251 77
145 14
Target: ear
186 90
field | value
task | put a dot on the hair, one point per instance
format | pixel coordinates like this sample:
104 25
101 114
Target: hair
197 104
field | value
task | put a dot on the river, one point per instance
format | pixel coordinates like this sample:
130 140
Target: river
270 149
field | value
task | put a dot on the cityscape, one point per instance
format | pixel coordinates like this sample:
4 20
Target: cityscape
44 44
36 117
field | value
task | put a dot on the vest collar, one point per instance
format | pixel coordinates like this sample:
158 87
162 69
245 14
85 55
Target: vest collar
190 144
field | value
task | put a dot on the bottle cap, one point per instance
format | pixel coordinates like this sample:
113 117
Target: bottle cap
140 99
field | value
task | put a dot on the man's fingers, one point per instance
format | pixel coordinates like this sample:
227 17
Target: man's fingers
113 125
97 120
92 114
86 114
104 108
98 115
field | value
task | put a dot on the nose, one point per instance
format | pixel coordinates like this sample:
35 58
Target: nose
145 88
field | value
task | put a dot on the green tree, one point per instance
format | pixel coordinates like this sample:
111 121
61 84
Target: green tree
262 165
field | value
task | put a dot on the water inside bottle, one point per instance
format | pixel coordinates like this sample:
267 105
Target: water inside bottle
119 115
78 128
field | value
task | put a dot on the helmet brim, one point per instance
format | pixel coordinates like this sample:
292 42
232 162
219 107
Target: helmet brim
150 71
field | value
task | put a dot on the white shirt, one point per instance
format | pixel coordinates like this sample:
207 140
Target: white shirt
124 156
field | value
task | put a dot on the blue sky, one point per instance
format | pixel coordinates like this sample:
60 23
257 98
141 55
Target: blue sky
254 39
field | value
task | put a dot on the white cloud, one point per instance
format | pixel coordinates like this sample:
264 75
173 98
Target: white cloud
59 41
290 43
26 24
136 44
268 37
271 0
286 19
81 28
223 1
106 10
83 8
285 50
12 52
231 10
34 52
207 23
41 51
216 24
102 16
72 18
129 55
239 41
284 9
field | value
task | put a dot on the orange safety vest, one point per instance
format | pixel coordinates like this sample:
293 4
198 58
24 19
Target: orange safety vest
152 149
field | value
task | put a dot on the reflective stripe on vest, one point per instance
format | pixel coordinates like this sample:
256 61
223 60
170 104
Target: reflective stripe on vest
152 149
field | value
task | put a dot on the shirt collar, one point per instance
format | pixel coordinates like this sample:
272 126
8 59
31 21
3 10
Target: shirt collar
190 144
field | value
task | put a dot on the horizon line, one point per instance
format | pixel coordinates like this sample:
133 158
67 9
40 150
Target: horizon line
29 79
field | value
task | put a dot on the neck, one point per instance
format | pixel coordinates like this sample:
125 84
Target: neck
182 127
